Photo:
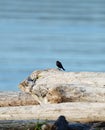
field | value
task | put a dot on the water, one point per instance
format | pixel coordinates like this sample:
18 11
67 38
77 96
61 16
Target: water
34 34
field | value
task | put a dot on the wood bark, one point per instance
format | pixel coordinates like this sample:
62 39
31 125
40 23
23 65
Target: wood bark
81 112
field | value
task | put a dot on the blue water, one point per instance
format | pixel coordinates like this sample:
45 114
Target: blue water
34 34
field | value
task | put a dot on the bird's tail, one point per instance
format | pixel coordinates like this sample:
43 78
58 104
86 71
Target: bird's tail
63 69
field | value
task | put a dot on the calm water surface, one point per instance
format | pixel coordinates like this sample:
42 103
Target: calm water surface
34 34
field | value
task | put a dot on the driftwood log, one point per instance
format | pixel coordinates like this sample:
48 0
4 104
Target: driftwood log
17 124
55 86
81 112
59 124
79 96
16 99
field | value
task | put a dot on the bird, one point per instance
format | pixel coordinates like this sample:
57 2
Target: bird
59 65
61 124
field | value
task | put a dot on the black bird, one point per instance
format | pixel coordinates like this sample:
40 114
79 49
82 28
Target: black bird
59 65
61 124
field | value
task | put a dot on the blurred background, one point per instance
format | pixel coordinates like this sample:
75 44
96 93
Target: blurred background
36 33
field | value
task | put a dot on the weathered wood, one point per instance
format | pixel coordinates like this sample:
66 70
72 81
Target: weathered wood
16 99
17 125
57 86
49 125
85 92
82 112
24 124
